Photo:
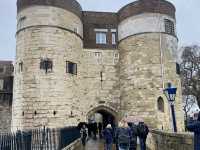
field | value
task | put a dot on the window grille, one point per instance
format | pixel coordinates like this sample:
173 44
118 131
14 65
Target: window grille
46 64
71 68
169 27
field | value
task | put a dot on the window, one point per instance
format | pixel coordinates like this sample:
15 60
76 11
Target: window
113 38
2 69
21 66
178 70
71 67
46 64
101 38
76 30
21 21
1 84
169 27
160 104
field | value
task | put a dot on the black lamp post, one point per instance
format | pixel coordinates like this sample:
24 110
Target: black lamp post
170 93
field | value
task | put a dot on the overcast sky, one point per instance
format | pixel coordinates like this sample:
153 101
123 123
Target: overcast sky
188 21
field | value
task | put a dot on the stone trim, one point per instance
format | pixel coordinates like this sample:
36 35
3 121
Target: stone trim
141 6
51 26
70 5
145 33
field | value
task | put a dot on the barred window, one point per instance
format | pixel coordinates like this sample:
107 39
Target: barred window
160 104
46 64
71 67
169 27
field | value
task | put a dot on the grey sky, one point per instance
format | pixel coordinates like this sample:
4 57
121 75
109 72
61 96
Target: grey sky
188 22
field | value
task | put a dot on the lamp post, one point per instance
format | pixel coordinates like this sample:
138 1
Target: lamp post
170 93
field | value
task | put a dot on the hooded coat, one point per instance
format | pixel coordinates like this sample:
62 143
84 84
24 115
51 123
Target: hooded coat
194 126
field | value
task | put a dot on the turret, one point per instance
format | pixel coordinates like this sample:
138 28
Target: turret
147 43
49 44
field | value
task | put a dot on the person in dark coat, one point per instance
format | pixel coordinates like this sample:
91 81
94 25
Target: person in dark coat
194 126
95 130
100 129
108 137
143 131
134 132
84 134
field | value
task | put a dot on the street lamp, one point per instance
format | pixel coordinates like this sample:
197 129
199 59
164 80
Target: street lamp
170 93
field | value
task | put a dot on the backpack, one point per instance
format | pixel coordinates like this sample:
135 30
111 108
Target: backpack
108 136
124 137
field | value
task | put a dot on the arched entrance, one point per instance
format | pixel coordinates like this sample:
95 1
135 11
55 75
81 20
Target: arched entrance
103 114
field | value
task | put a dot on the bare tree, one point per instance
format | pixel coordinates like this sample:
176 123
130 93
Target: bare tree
189 102
190 72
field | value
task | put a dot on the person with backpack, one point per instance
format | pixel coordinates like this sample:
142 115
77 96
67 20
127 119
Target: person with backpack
108 137
84 134
194 126
123 137
142 134
134 133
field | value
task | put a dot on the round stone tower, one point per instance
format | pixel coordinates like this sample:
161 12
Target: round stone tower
49 44
147 44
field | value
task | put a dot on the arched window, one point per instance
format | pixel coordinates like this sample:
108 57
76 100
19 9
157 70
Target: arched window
160 104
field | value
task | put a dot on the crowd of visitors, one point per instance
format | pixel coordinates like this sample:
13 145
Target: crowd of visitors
124 137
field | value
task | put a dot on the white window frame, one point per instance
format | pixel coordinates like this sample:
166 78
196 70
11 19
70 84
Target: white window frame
101 38
113 38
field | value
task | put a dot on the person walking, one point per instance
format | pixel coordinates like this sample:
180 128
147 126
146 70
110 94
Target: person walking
142 134
134 133
194 126
100 129
123 137
84 134
108 137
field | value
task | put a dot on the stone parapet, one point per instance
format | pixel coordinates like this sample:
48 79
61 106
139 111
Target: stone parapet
70 5
161 140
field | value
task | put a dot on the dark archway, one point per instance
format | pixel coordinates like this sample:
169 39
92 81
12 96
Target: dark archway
109 116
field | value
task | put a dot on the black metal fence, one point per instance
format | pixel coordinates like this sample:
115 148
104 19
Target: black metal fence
39 139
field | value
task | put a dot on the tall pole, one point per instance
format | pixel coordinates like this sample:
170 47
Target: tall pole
173 117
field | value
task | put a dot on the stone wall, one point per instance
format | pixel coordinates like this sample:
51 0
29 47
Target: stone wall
5 115
143 23
42 98
159 140
142 77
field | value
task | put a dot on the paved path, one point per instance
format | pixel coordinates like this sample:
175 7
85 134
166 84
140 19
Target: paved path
95 145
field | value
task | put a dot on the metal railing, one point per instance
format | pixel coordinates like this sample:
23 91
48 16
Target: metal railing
39 139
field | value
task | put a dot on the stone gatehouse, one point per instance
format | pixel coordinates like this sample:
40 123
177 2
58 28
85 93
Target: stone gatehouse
72 63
